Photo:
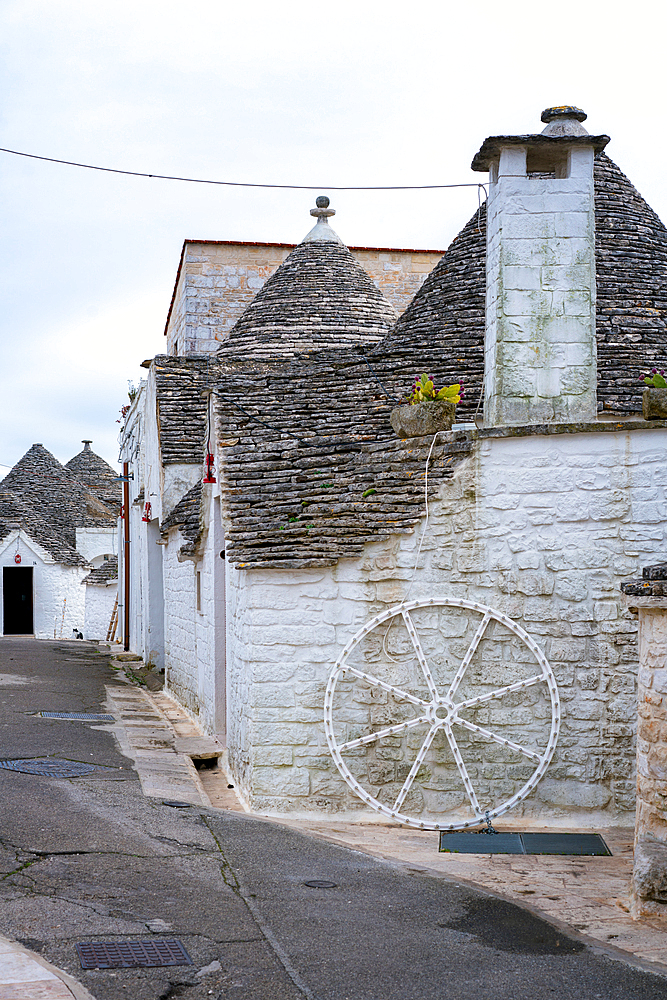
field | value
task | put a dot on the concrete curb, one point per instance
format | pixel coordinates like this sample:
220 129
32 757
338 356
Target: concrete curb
24 975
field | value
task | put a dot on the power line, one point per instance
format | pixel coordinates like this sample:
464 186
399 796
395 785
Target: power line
247 184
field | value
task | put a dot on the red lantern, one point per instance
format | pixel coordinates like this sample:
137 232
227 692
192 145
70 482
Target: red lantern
147 512
209 477
17 558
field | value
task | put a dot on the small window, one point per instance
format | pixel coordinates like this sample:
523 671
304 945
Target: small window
546 164
198 591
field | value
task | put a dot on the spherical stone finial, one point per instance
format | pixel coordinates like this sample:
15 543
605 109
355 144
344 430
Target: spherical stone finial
322 212
564 111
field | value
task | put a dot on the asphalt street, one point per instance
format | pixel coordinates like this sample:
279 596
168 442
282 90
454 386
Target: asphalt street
90 858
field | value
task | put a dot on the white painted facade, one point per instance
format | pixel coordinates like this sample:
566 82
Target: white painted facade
59 599
541 526
100 599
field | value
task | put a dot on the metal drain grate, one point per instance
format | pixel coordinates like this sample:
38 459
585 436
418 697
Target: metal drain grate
77 716
52 767
586 844
131 954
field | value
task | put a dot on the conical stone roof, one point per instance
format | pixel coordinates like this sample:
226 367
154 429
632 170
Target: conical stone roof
17 513
56 494
97 475
318 298
442 330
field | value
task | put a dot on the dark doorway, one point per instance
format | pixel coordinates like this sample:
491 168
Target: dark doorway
17 600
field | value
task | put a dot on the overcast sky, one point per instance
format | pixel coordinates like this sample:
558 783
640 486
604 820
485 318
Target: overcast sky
352 93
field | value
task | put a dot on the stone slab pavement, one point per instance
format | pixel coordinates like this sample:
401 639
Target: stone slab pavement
104 857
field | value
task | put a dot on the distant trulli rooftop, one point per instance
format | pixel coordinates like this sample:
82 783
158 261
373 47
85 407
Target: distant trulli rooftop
56 495
96 474
319 298
17 513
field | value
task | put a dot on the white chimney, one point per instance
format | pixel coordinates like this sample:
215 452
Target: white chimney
540 357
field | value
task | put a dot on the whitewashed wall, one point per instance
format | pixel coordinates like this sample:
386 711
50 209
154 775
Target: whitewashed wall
194 635
99 607
58 597
543 528
94 543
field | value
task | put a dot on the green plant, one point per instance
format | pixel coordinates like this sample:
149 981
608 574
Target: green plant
368 493
655 379
424 391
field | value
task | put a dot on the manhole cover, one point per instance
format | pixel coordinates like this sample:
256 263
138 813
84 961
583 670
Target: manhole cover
78 716
316 883
131 954
52 767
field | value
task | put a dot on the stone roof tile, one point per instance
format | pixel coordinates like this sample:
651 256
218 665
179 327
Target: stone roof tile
104 574
97 475
187 517
319 298
16 512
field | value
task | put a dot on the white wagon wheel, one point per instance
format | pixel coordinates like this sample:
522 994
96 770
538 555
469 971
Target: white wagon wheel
440 713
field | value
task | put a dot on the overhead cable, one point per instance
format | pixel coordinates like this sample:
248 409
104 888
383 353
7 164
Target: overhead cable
247 184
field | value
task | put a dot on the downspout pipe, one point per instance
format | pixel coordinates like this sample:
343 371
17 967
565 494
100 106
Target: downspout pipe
126 555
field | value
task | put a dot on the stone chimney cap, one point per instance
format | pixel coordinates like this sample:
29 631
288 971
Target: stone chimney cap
564 111
563 128
87 443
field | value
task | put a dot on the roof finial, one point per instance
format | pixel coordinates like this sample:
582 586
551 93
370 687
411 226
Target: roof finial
322 232
87 444
323 212
564 120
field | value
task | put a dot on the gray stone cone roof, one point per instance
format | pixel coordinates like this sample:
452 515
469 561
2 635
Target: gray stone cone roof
104 574
187 517
98 476
15 512
319 298
181 405
56 494
442 329
294 490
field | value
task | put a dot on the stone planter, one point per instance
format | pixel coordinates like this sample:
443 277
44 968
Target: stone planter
423 418
654 404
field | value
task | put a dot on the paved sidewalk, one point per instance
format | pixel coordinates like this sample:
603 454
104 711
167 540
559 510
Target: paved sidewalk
26 976
585 896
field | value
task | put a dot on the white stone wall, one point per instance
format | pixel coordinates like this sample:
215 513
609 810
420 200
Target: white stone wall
58 597
93 543
180 636
194 631
99 607
540 357
543 528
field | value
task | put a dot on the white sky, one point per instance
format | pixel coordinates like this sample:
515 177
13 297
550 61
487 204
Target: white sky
359 92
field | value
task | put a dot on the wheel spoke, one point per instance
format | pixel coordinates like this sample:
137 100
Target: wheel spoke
426 670
463 771
499 692
415 767
469 655
385 687
498 739
381 733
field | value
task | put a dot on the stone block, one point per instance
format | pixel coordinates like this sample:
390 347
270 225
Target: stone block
573 794
649 874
